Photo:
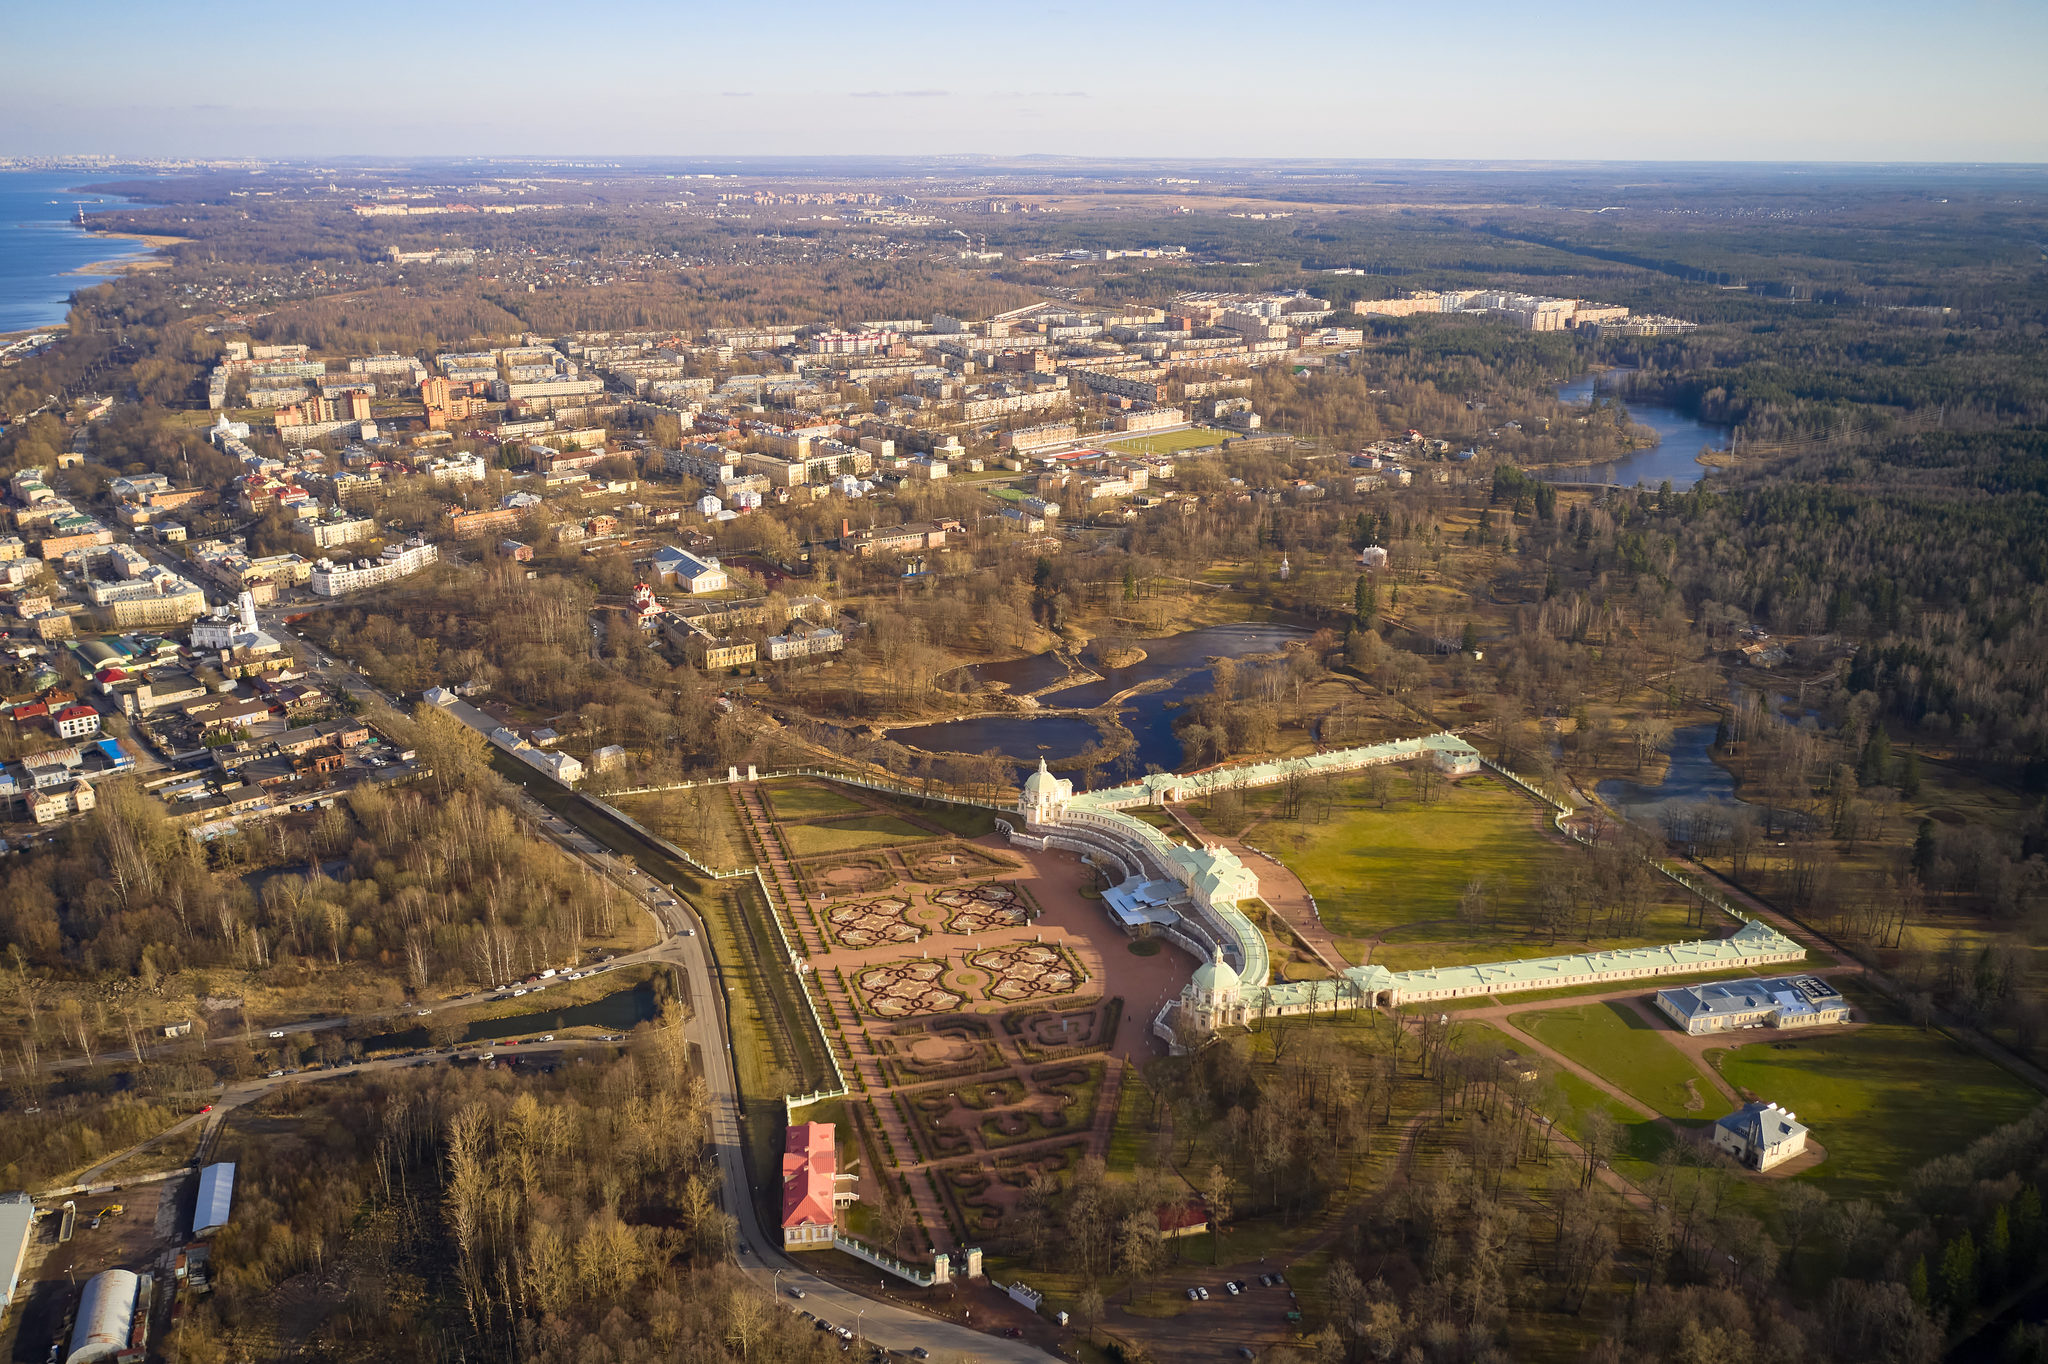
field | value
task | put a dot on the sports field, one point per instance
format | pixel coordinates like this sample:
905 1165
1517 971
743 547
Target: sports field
1391 880
1619 1045
1169 442
1882 1099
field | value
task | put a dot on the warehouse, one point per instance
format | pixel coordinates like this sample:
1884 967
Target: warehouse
105 1314
17 1226
216 1194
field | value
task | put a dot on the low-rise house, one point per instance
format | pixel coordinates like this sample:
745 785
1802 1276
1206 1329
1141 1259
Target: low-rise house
1760 1135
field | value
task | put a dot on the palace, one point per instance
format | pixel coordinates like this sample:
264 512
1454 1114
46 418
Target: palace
1190 897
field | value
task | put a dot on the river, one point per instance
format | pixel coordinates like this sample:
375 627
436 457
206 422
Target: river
1679 439
41 245
1149 716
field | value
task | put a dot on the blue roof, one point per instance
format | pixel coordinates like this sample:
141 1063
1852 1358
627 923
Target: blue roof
216 1197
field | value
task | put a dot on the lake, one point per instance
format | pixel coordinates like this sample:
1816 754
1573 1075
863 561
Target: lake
1149 716
1680 439
41 244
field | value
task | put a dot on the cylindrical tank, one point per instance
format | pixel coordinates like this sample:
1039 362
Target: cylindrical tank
104 1314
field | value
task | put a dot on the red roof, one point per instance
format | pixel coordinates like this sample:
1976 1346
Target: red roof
111 675
809 1159
78 712
32 711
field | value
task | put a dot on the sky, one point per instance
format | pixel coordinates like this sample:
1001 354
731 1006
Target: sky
1795 80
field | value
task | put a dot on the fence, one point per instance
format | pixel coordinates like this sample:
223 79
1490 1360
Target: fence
1565 812
940 1272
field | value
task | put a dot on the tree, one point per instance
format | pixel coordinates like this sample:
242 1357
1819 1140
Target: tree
1365 601
456 754
1216 1191
1137 1248
1959 1273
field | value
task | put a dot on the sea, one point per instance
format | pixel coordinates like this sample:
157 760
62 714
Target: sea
41 244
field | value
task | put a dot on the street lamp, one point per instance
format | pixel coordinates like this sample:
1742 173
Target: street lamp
856 1322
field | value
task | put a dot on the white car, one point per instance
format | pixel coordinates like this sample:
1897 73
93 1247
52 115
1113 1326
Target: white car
277 1032
547 1037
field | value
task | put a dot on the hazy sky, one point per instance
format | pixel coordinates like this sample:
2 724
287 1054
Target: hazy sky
1650 79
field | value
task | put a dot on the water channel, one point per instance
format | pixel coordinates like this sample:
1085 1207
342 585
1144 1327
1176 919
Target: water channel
615 1012
1149 716
1680 439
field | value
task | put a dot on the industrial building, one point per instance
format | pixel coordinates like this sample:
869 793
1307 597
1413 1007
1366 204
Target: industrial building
216 1198
108 1317
17 1225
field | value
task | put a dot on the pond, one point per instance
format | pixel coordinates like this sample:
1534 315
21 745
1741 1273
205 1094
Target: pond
1680 438
615 1012
1021 675
1149 716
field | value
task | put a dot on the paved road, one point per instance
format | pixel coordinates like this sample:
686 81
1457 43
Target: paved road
760 1254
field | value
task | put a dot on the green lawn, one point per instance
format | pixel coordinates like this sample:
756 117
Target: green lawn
1882 1099
869 831
1399 872
1642 1139
1170 442
1617 1044
803 800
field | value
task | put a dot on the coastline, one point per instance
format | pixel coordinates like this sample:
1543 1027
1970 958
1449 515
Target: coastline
149 259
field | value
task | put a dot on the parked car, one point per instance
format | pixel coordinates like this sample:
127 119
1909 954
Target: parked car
1193 1296
1202 1292
276 1075
276 1033
1232 1287
547 1037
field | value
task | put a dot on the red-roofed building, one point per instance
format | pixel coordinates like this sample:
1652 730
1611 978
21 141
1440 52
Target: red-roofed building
810 1187
75 722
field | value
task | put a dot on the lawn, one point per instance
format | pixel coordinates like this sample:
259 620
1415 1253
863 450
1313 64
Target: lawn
1883 1099
1397 874
1169 442
804 800
1619 1045
702 821
869 831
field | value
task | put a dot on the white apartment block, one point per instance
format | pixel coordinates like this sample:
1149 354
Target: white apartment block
398 561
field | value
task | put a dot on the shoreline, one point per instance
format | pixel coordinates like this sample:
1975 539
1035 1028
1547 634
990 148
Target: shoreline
148 258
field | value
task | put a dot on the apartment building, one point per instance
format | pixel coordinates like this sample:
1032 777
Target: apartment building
330 579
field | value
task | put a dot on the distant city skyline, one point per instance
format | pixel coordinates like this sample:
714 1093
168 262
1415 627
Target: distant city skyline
1741 81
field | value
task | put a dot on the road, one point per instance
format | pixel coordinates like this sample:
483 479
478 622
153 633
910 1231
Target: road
760 1256
759 1249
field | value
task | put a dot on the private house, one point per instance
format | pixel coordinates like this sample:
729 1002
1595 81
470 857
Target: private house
1760 1135
1775 1002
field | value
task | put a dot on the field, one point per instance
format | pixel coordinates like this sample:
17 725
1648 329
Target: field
701 821
1389 881
1883 1099
1615 1042
869 831
802 800
1169 442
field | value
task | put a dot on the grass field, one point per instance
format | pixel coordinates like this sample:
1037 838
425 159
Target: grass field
1620 1046
869 831
1397 874
702 822
806 800
1882 1099
1170 442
